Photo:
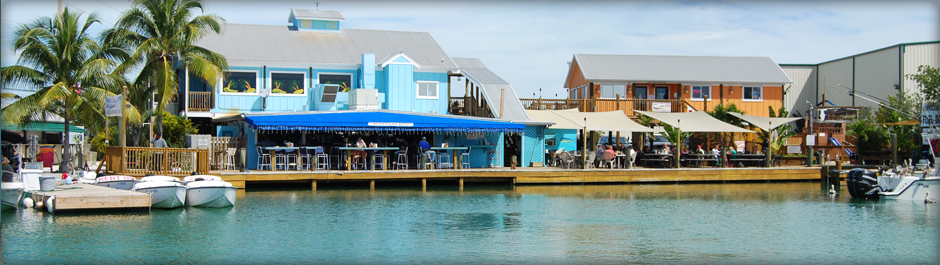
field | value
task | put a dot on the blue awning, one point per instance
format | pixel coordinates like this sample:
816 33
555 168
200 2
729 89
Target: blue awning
376 120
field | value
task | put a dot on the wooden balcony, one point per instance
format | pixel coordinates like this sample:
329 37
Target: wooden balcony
200 101
469 106
157 161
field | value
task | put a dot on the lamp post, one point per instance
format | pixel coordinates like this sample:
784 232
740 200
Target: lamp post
584 146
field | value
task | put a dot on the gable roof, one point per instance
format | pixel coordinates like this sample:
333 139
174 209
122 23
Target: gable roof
296 13
492 85
259 44
674 68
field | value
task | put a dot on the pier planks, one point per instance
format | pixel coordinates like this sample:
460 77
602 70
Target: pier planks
90 197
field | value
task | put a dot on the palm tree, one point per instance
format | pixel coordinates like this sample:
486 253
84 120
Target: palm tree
165 33
69 69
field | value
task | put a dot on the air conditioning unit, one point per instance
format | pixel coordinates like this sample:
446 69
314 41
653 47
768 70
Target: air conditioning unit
363 99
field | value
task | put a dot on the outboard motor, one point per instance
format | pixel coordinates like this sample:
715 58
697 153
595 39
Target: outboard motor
862 184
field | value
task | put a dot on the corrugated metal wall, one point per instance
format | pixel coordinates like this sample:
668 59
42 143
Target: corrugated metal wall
915 55
832 74
802 89
876 73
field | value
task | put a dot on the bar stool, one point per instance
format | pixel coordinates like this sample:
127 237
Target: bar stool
443 160
429 158
402 160
302 157
229 159
465 159
264 159
378 160
280 159
323 160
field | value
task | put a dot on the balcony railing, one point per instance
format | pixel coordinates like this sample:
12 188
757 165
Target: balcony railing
157 161
601 105
200 101
469 106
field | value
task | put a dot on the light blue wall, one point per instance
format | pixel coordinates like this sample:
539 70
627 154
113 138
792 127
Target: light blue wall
399 79
567 138
427 105
533 145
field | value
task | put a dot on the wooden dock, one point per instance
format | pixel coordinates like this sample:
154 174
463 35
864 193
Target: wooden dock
528 175
90 197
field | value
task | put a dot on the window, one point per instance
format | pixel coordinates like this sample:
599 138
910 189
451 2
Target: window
699 92
306 24
753 93
240 82
427 89
662 92
640 92
287 83
613 91
342 80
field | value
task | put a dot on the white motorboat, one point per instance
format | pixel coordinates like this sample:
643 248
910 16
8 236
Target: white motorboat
910 182
209 191
11 194
165 191
117 182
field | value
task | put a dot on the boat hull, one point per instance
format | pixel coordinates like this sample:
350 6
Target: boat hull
11 195
117 184
910 188
167 197
211 196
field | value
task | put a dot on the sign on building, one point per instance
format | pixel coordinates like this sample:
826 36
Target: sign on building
662 106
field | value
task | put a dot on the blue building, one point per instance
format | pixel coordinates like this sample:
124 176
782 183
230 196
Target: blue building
315 66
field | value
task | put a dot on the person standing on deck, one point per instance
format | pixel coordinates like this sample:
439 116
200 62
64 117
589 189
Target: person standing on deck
158 142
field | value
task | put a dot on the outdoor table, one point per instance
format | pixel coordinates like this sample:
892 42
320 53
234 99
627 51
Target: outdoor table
758 158
662 159
353 148
619 160
700 158
453 155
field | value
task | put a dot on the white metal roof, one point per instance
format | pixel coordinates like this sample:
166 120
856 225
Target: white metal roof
492 86
261 44
685 69
314 15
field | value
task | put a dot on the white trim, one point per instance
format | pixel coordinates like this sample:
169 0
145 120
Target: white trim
391 58
257 82
271 83
437 93
752 100
711 93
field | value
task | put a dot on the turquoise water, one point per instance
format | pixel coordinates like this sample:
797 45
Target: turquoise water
689 223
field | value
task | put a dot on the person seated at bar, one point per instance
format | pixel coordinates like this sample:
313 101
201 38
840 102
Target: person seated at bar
401 144
425 149
359 154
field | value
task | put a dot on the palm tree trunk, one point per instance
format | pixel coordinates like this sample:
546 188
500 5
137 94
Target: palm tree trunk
66 152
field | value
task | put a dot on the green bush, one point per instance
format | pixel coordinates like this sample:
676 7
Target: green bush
175 128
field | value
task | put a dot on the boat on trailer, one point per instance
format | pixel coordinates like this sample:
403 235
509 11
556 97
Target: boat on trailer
209 191
165 191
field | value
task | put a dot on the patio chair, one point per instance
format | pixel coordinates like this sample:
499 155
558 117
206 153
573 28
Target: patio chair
565 159
264 159
608 160
229 159
590 160
632 158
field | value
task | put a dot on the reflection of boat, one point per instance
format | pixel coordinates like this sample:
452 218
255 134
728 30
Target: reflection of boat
117 182
165 191
12 193
209 191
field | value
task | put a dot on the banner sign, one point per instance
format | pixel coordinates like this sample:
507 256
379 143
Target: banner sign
662 106
112 106
930 115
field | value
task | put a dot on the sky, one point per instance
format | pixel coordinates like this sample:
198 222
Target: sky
529 43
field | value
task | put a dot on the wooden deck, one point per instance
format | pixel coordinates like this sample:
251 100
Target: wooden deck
90 197
529 175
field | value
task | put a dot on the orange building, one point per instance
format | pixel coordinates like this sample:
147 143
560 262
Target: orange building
698 82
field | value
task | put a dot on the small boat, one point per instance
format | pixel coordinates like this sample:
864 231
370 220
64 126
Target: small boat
11 194
209 191
117 182
911 182
165 191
